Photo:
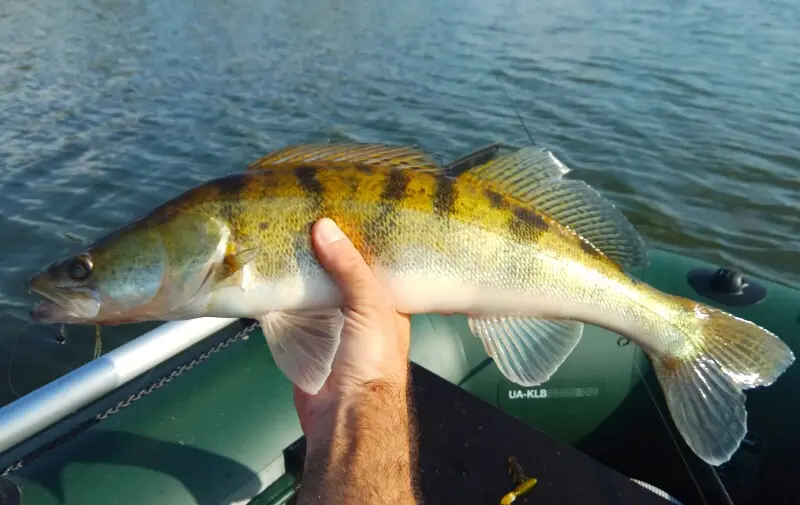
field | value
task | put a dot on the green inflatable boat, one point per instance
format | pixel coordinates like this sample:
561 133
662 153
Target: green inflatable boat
214 421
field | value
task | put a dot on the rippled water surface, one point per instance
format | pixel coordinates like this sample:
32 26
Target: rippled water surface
684 113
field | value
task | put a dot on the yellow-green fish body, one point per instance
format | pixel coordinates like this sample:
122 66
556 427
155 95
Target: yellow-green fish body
526 253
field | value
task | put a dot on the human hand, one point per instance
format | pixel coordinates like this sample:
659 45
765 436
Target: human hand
372 358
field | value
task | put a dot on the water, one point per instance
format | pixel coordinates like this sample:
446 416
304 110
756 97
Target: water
682 112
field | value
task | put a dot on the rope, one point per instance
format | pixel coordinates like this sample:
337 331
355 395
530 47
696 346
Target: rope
127 402
660 492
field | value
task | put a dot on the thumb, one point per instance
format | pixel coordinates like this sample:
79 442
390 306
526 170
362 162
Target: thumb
344 263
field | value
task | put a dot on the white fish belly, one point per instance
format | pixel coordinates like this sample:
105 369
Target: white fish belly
481 274
619 314
256 295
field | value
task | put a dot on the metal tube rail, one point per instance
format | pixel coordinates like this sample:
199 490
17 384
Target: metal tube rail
55 400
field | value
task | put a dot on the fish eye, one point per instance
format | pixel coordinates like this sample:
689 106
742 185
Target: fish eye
79 268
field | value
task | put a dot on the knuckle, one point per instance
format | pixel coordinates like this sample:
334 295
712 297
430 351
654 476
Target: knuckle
350 263
346 258
384 302
372 300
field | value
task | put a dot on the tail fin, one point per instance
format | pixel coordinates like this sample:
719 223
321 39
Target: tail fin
704 390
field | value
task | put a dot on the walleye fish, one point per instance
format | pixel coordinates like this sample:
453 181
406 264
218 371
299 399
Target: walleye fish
527 254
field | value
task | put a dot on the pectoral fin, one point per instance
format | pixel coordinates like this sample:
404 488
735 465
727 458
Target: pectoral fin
237 261
232 263
304 344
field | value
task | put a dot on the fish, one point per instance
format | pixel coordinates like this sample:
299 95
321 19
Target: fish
527 252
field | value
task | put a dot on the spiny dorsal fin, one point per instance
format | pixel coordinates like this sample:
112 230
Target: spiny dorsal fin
368 154
523 169
535 176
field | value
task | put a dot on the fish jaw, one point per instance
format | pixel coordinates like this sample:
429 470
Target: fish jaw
47 311
77 305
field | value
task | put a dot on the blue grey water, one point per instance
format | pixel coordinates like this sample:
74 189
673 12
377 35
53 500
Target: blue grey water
683 113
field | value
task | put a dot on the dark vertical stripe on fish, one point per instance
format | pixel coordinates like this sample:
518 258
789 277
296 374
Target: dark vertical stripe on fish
232 185
379 228
444 197
496 200
307 178
231 188
365 168
526 225
394 187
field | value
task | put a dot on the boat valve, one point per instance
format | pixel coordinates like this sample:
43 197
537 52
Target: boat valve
727 286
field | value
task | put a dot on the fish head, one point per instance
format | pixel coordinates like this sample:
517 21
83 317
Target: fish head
115 279
153 269
68 292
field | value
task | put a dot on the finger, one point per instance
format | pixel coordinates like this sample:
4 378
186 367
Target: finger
344 263
301 399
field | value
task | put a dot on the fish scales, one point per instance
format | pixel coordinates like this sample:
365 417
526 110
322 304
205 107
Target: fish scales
412 224
418 225
383 210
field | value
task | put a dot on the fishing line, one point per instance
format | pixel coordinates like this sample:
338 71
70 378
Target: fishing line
11 358
139 385
666 425
514 108
728 500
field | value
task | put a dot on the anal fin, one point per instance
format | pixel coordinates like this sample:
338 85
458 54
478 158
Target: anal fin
527 351
303 344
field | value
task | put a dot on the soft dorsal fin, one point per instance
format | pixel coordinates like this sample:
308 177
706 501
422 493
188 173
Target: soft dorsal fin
367 154
535 176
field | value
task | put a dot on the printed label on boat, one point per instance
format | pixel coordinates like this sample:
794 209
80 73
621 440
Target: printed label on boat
551 392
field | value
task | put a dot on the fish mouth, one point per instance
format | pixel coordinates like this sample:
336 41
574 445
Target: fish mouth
63 305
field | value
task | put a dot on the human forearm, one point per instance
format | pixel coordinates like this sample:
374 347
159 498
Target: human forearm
365 453
360 436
